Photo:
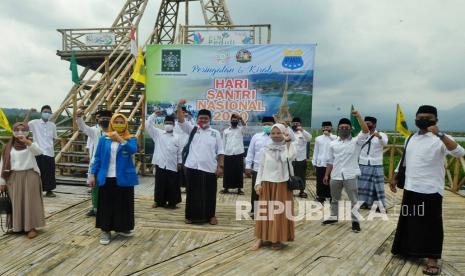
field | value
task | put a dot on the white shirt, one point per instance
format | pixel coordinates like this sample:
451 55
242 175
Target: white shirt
375 157
204 149
183 137
425 165
233 140
112 166
23 160
343 155
43 134
300 144
168 147
93 135
320 150
258 141
272 170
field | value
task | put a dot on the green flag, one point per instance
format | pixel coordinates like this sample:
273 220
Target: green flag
355 125
74 70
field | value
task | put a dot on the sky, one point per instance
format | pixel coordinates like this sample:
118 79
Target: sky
372 54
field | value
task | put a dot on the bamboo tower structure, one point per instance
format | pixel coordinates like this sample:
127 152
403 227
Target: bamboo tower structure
105 82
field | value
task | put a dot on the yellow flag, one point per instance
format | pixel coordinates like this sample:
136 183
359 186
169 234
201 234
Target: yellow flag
139 73
4 121
401 125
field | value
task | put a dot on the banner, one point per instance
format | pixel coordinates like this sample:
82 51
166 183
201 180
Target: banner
253 81
230 37
100 39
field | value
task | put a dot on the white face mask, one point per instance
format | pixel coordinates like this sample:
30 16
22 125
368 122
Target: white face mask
46 115
21 133
169 128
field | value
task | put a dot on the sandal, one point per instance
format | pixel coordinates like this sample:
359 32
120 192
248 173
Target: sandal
240 192
277 246
224 191
428 268
303 195
32 234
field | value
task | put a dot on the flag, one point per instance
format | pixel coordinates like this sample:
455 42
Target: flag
74 69
401 125
139 73
133 42
355 125
4 121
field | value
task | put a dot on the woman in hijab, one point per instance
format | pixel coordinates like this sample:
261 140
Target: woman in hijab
114 172
273 223
20 175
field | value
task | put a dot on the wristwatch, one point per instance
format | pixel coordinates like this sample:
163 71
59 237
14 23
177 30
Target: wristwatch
440 134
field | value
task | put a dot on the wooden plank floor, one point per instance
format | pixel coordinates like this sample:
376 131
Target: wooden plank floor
164 245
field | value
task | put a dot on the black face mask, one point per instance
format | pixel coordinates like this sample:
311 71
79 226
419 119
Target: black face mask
294 128
424 123
234 123
104 123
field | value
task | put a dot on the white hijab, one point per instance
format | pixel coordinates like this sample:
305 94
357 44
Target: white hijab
278 150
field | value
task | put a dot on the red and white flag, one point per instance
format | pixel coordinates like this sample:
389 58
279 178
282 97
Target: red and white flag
133 42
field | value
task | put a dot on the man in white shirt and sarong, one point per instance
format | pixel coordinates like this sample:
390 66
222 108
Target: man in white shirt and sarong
420 232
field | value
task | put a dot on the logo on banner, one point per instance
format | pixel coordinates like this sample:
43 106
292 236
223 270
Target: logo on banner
170 60
293 59
244 56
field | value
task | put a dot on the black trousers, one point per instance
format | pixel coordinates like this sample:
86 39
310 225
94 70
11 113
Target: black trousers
115 211
200 195
322 191
233 171
253 194
46 166
300 169
167 189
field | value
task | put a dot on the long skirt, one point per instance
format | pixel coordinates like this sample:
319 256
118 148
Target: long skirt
322 190
300 169
25 191
200 195
167 189
233 171
419 232
115 211
47 172
371 185
274 227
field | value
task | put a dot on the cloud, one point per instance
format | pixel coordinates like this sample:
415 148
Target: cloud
373 54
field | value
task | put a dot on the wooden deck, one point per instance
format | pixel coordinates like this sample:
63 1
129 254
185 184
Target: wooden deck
164 245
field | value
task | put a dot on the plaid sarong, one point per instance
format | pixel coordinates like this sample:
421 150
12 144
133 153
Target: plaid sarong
371 185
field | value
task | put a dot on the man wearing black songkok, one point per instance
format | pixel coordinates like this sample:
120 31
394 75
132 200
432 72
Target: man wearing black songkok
419 232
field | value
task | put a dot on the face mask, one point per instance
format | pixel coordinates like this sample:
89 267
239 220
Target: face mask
204 126
344 132
46 115
325 132
20 133
169 128
424 123
119 127
104 123
234 123
267 129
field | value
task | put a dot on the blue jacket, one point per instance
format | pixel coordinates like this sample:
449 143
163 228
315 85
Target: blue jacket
126 175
